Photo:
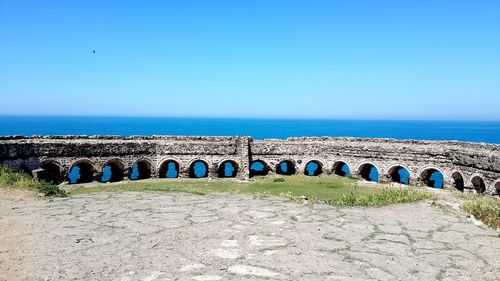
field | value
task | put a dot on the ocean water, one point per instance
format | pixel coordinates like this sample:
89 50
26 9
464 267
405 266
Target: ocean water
475 131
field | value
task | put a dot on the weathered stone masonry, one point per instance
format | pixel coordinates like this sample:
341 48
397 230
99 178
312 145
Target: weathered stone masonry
469 166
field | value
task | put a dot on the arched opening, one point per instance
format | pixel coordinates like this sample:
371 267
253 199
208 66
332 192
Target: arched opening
399 174
228 169
141 170
81 172
169 169
458 181
51 173
258 168
313 168
368 172
497 188
198 169
286 168
478 184
432 178
113 171
341 168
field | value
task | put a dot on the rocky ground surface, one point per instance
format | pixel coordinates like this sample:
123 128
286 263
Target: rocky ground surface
174 236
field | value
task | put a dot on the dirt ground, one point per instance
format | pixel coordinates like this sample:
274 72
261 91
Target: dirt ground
175 236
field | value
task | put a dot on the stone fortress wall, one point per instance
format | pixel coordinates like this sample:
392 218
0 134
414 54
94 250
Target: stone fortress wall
464 165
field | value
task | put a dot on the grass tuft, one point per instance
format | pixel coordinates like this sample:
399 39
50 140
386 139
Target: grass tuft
483 207
384 197
9 178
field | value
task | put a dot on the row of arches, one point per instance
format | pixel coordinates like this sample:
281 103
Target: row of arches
431 177
84 171
286 167
114 170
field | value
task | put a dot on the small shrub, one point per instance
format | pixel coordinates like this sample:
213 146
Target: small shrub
279 180
51 190
332 186
484 208
9 178
262 194
348 199
290 196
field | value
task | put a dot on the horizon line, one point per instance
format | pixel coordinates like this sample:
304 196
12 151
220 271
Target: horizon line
254 118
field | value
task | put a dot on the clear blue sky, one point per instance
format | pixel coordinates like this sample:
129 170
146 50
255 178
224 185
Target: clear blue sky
269 58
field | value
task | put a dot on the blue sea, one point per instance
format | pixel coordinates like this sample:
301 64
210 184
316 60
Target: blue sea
475 131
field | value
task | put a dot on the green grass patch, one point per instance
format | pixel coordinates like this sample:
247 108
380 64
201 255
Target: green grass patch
334 190
483 207
382 197
11 179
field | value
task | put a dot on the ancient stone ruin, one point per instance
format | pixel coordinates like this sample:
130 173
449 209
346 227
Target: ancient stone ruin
463 165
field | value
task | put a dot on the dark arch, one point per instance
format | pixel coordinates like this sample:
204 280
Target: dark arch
198 169
285 167
478 184
51 172
141 170
340 168
112 171
313 168
169 169
227 169
258 168
458 181
369 172
432 178
81 172
497 187
399 174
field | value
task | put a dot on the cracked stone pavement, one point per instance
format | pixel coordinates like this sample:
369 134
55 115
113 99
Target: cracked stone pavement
176 236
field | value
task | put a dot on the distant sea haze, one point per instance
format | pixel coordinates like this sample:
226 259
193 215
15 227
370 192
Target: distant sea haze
474 131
